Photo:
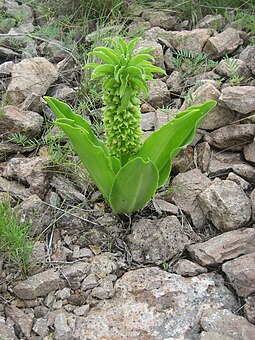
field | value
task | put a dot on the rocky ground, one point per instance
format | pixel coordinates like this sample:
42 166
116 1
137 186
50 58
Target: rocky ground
183 267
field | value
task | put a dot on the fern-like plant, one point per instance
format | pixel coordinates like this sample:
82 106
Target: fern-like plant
127 171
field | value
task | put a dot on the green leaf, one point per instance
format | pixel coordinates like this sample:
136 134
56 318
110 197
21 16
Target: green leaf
163 145
132 44
139 58
103 56
102 70
98 164
109 52
134 186
63 110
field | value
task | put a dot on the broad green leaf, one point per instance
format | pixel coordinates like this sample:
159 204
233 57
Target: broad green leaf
110 52
139 58
93 157
62 110
102 70
105 57
132 44
134 186
164 144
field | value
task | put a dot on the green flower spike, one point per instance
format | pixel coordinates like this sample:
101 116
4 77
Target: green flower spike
125 78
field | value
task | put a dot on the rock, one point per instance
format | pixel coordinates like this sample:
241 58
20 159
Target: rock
104 291
158 93
32 103
168 58
90 281
246 171
66 189
31 75
232 67
33 210
22 321
226 205
104 264
81 311
253 204
239 180
174 82
193 40
163 206
22 9
223 247
7 149
13 188
148 121
31 172
14 120
218 116
215 22
186 187
157 241
6 68
229 324
8 54
248 56
40 327
223 43
62 330
159 19
221 163
188 268
241 274
64 293
214 336
249 153
138 26
64 93
249 309
53 50
231 137
153 304
7 330
37 285
183 161
76 270
238 98
202 156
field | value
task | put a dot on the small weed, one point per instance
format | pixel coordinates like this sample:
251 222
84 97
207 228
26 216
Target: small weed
21 139
233 69
189 64
15 243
